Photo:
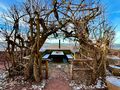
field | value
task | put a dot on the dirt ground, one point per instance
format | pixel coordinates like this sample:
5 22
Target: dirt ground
59 79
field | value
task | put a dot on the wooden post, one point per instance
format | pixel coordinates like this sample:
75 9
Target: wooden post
46 69
71 71
74 55
59 44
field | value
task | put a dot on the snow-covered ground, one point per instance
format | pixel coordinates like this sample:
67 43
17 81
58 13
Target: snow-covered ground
113 80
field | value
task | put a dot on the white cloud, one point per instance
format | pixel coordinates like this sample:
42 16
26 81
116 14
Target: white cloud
117 37
115 22
3 6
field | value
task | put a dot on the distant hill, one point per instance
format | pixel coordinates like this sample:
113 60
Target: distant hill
47 45
115 46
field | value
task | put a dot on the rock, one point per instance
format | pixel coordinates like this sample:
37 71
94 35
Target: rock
72 83
43 84
24 88
1 88
76 88
58 66
0 83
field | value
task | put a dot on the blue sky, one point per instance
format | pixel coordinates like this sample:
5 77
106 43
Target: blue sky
112 8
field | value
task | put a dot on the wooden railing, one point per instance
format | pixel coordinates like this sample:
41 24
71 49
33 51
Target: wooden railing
80 65
44 64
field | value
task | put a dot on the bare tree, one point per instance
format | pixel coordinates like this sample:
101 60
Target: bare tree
44 20
91 31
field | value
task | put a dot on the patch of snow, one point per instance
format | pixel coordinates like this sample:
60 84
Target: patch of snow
58 66
1 88
99 84
40 86
113 66
72 83
113 80
35 87
24 88
113 57
77 87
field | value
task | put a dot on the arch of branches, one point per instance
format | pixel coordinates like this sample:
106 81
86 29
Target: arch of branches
40 20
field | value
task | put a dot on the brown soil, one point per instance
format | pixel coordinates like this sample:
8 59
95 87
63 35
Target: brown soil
57 81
